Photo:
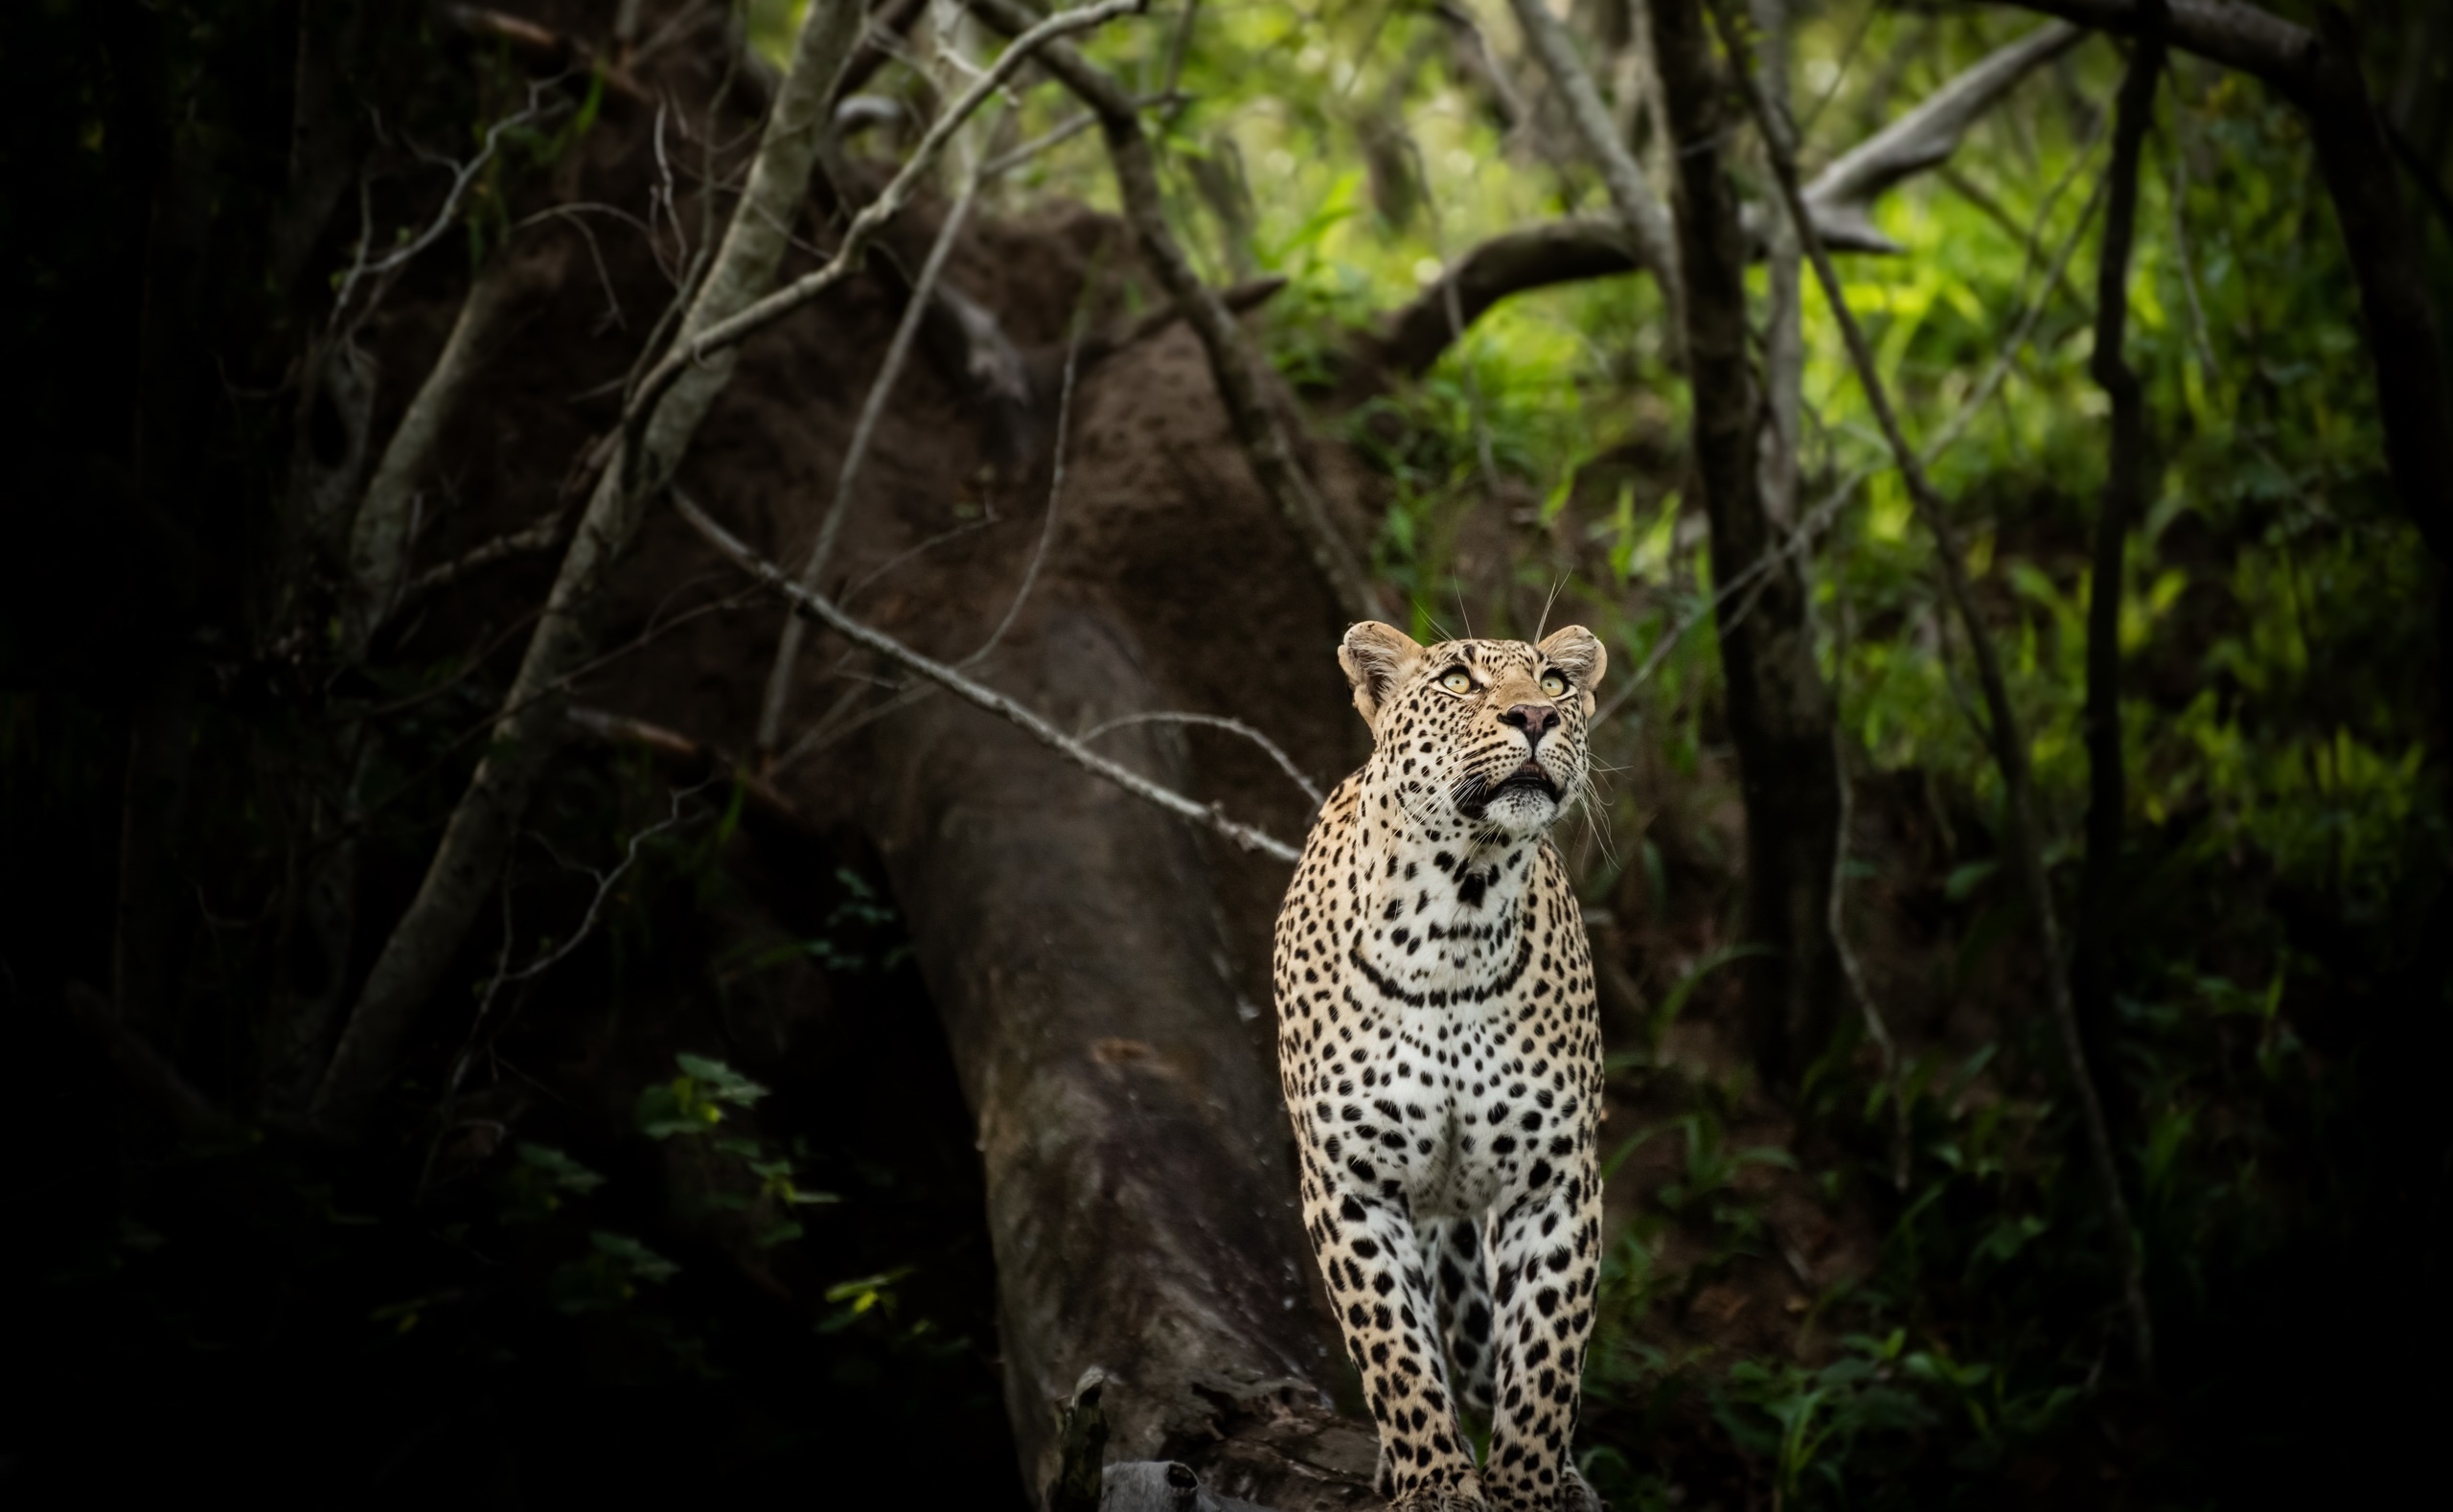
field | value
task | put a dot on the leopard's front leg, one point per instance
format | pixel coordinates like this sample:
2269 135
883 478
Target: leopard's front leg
1370 1256
1545 1261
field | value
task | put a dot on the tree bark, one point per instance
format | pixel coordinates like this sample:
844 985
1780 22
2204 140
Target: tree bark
1780 710
1140 1182
481 827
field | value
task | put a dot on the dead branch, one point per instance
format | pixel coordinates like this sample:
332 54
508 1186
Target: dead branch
824 611
1233 366
693 759
526 541
463 175
1843 194
478 835
1055 484
1217 721
2024 837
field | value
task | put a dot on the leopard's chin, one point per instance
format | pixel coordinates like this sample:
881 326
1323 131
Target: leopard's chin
1526 803
1522 803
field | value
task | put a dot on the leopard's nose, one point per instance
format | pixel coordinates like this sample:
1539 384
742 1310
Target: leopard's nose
1535 719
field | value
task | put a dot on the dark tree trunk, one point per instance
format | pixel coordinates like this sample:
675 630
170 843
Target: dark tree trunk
1779 709
2124 486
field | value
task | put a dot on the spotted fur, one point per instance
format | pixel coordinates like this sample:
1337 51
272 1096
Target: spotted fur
1441 1062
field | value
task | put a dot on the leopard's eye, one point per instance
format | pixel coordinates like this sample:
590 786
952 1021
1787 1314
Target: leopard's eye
1553 685
1457 681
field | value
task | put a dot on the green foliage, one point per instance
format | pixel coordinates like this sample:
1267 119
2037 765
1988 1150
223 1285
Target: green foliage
694 1101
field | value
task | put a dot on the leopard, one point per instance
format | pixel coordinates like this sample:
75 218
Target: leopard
1440 1056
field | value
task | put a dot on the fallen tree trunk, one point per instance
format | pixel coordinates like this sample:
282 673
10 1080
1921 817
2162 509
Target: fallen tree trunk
1140 1183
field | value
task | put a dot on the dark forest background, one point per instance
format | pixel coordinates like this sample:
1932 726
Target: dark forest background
579 583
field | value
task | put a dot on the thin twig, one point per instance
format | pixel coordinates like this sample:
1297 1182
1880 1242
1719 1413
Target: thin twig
898 352
734 550
1055 482
2009 740
1217 721
538 537
462 176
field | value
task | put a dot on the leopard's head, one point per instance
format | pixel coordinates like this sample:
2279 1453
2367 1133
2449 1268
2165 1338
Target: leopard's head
1489 734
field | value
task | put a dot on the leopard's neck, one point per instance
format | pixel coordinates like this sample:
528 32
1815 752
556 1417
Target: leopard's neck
1442 904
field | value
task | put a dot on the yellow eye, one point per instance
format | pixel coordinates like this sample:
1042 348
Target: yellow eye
1457 681
1553 685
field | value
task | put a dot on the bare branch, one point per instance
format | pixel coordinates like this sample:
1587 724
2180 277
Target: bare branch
692 758
2024 835
1843 194
1055 488
524 542
1217 721
541 46
463 175
2227 32
824 610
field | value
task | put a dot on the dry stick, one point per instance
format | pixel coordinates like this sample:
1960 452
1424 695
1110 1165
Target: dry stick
478 835
1233 367
2123 498
898 352
1645 218
2010 745
1217 721
824 610
537 537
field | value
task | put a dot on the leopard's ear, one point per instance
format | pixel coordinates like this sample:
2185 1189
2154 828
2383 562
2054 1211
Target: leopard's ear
1579 653
1376 658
